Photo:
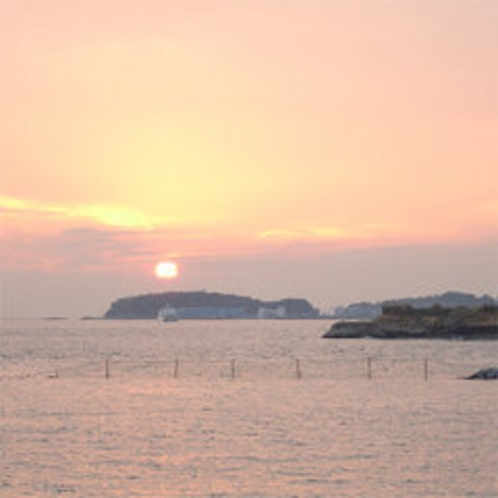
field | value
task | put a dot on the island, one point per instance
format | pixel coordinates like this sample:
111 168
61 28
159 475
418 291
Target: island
208 305
407 322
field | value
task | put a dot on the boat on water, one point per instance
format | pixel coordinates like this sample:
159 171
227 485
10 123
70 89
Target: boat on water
167 314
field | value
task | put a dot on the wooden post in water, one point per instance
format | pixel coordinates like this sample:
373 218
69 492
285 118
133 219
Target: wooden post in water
55 375
107 369
426 369
369 367
176 368
232 368
299 374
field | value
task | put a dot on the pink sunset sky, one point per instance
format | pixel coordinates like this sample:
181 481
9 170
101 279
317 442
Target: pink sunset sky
326 149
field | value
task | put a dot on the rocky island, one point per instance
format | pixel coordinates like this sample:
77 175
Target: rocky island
406 322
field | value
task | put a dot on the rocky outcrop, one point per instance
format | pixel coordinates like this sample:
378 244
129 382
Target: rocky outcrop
351 330
405 322
485 374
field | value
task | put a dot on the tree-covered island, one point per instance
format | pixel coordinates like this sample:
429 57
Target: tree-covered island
208 305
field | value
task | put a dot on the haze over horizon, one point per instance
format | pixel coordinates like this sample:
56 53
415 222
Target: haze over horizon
334 151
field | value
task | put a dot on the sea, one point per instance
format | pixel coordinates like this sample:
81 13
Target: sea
249 408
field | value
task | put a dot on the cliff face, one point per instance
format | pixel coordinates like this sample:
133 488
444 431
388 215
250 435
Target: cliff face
405 322
205 305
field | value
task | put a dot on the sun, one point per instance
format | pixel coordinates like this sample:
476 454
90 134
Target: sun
166 269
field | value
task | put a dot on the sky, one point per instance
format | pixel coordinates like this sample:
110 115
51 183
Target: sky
333 150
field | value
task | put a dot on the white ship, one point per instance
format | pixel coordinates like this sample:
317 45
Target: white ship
167 314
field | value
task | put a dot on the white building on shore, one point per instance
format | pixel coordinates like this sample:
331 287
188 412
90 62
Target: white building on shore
278 312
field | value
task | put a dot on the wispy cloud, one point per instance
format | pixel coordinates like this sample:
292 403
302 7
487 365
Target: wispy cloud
90 237
55 237
109 215
282 234
331 234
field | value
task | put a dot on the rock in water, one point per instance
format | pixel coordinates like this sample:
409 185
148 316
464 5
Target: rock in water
485 374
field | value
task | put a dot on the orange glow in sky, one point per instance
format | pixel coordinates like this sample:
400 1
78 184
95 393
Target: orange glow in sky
214 130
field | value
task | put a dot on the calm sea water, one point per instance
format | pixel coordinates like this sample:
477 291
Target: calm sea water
240 409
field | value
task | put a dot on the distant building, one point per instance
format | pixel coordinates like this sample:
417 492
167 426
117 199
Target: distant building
211 312
278 312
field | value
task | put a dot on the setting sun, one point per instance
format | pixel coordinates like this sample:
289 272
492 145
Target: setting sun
166 269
